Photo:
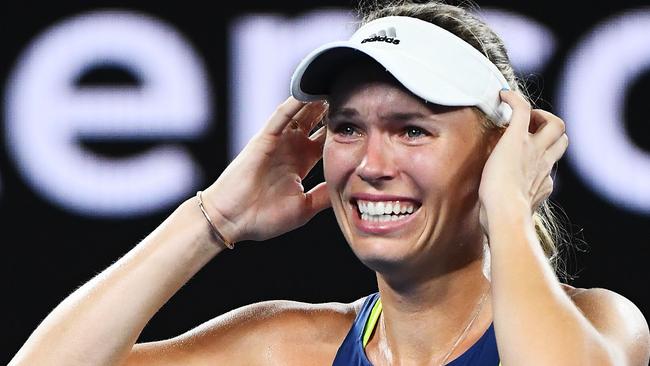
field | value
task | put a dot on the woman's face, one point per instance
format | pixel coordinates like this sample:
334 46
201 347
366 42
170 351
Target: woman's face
403 176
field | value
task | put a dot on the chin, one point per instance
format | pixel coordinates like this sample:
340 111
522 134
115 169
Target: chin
384 255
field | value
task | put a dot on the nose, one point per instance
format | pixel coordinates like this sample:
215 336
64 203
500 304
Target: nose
377 164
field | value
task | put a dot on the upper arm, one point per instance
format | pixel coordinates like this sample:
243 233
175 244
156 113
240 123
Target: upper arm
251 335
231 338
619 321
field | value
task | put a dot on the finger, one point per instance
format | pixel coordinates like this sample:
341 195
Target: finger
317 199
282 115
544 192
310 115
558 148
319 135
549 127
520 109
315 151
318 120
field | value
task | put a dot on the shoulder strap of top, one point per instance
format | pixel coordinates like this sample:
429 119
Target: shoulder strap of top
350 352
371 322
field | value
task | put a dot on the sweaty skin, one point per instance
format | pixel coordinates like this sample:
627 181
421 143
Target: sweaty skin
380 144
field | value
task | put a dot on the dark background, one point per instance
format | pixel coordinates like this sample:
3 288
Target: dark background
48 251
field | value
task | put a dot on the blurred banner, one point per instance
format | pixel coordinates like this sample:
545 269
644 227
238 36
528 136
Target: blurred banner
114 113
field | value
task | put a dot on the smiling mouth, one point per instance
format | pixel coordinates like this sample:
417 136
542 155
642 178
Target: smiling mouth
385 211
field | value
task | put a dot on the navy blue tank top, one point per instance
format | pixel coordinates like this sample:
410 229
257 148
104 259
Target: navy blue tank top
351 353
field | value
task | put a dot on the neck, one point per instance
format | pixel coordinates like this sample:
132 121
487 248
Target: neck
421 321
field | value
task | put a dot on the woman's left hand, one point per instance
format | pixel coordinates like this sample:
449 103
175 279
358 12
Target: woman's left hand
518 170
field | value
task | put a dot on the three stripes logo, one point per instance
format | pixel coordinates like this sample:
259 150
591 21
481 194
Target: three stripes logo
388 35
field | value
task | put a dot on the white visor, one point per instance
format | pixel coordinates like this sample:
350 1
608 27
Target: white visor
429 61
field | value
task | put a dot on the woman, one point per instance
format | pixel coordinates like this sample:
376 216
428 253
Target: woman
438 176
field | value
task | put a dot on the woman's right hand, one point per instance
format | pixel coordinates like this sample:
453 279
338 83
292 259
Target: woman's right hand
260 194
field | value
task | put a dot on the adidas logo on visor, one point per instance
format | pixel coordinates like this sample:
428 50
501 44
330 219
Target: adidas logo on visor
388 35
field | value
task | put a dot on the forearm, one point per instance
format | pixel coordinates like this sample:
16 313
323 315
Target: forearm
99 322
536 322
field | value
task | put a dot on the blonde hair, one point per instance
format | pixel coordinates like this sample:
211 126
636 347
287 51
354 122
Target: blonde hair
463 22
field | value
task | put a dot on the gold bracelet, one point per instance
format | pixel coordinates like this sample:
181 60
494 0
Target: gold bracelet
215 231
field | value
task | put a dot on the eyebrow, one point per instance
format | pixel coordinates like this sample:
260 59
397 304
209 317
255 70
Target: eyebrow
343 113
350 113
402 116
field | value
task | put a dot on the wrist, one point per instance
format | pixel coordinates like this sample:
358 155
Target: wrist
223 228
511 212
512 204
216 232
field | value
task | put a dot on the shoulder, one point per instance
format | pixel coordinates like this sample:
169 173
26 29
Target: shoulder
275 331
296 319
603 305
294 315
616 318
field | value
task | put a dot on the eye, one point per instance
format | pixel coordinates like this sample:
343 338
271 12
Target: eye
346 130
413 132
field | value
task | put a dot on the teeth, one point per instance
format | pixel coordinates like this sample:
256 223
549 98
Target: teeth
384 211
379 208
370 208
381 218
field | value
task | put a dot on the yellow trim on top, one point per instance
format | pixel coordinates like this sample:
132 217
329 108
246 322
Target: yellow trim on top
371 322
